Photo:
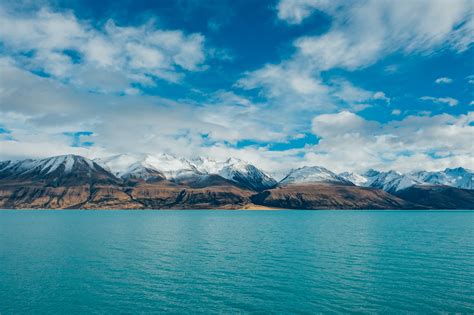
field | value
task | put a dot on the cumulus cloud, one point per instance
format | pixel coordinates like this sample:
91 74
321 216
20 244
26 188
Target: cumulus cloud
107 58
349 141
293 87
441 100
41 110
361 33
443 80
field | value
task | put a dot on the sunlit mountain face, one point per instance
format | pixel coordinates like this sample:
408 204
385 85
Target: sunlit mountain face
250 91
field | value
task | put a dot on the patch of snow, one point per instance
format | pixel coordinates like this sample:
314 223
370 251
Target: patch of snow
355 178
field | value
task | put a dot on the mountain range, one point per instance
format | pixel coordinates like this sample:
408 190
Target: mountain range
162 181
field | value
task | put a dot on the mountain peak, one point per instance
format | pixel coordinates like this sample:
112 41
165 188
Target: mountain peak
313 174
57 170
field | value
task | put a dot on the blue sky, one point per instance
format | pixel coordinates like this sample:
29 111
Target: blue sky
349 85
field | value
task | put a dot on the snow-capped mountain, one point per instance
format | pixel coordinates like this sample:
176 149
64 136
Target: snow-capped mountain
58 170
313 174
246 174
454 177
73 169
393 181
390 181
355 178
235 170
178 169
148 166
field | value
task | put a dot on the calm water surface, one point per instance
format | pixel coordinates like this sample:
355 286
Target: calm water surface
236 261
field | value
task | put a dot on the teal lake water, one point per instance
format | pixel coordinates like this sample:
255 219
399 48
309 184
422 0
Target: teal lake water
236 261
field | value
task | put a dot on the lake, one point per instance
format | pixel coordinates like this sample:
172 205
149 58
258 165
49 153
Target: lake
74 261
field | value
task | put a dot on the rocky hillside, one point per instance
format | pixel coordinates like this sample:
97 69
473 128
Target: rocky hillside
439 197
327 196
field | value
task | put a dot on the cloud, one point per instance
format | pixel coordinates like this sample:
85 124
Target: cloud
107 59
470 79
361 34
349 141
441 100
42 114
443 80
381 96
364 32
295 11
292 87
396 112
38 109
331 125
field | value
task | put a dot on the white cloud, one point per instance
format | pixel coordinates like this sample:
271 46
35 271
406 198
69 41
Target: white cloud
396 112
365 31
381 96
470 79
441 100
38 111
292 87
289 88
76 51
361 33
443 80
349 141
330 125
295 11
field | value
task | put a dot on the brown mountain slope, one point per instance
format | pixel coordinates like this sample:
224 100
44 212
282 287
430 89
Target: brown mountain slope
206 194
215 193
327 196
439 197
37 196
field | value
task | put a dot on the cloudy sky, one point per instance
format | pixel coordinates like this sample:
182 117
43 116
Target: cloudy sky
348 85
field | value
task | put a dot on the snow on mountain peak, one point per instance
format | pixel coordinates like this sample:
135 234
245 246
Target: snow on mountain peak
393 181
355 178
390 181
455 177
47 165
175 168
312 174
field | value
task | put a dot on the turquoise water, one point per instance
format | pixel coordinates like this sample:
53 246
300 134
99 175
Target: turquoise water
236 261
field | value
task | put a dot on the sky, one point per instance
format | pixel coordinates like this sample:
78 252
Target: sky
349 85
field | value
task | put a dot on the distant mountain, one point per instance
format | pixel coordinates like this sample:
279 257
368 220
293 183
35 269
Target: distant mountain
454 177
64 170
313 174
165 166
149 166
330 196
162 181
246 175
390 181
438 197
393 181
354 178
